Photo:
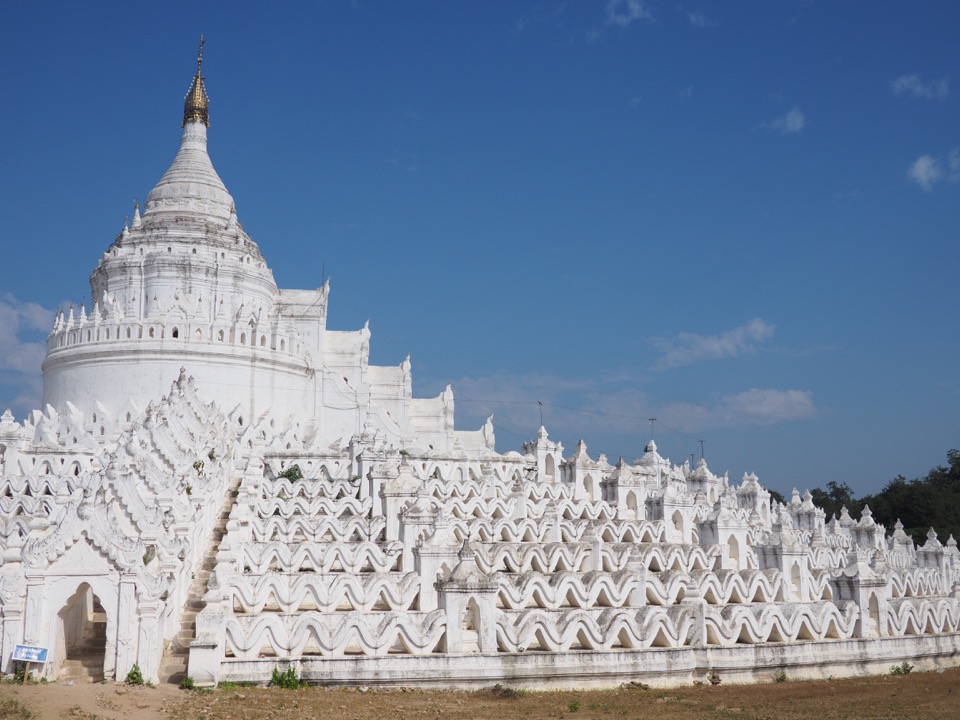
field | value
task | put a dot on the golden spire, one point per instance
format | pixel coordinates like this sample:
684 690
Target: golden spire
196 106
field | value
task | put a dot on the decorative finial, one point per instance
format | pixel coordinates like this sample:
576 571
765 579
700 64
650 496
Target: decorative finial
196 106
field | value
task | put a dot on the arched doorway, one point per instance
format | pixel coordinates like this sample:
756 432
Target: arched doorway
83 624
734 551
873 610
677 521
588 487
470 627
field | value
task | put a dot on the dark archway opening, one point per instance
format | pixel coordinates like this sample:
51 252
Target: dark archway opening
84 624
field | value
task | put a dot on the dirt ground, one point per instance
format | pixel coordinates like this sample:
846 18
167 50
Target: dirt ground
917 696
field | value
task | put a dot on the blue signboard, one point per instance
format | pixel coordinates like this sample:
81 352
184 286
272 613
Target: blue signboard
30 653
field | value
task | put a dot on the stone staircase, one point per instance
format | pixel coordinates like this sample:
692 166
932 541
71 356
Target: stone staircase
173 666
85 664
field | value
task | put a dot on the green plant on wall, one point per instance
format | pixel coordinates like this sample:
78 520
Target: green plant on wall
292 473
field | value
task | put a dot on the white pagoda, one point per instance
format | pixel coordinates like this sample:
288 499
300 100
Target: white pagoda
219 486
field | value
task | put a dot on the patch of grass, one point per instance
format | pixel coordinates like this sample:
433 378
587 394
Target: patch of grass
12 709
574 706
78 712
228 685
505 693
187 683
903 668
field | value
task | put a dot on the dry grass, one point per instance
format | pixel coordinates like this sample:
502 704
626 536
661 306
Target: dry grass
917 696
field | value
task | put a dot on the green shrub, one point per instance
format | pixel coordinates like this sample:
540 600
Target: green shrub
780 676
292 473
286 679
903 668
187 683
134 677
574 706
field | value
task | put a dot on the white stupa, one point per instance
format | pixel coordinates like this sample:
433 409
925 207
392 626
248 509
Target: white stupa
185 287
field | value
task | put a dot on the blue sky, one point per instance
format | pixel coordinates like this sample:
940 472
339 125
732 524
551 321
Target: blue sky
738 218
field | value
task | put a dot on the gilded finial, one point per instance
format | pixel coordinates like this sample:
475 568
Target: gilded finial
196 106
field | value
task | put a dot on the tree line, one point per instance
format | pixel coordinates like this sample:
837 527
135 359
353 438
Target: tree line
924 502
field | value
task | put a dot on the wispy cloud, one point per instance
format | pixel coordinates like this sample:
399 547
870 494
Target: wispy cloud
700 21
767 406
688 348
17 319
624 13
22 327
610 410
914 86
926 172
789 124
570 406
756 406
538 17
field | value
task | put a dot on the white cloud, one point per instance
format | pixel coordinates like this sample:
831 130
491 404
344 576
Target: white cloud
608 410
756 406
688 348
16 319
22 327
768 406
926 172
792 122
914 86
953 162
611 411
626 12
699 20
